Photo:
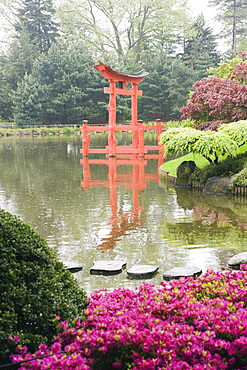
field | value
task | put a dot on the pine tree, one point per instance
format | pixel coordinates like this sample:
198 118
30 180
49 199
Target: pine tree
36 18
233 15
63 87
200 48
27 103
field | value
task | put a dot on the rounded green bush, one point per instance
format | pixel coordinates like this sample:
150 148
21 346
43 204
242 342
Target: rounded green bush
34 288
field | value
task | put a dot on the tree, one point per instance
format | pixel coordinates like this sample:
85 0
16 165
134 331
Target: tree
217 98
200 48
36 18
63 87
165 88
124 30
211 145
225 69
28 110
232 13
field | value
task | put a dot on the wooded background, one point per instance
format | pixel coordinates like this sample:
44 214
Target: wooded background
49 50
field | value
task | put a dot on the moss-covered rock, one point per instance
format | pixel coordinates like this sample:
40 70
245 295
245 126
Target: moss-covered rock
34 288
184 171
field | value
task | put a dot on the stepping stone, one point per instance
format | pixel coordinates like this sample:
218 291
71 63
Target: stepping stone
107 267
237 260
142 271
72 266
178 272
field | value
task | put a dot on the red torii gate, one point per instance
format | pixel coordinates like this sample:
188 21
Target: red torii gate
118 86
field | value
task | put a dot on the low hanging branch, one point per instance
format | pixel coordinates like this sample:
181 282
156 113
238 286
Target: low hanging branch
211 145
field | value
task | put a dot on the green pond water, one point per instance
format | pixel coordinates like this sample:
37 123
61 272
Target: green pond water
91 211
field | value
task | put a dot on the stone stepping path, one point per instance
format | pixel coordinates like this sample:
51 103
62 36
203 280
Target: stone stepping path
142 271
72 266
178 272
107 267
237 260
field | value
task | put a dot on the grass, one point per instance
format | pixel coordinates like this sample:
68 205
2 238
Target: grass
201 162
171 166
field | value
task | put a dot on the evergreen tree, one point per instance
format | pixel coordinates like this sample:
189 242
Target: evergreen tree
154 104
19 60
233 15
28 109
181 78
36 18
63 87
166 88
200 48
5 92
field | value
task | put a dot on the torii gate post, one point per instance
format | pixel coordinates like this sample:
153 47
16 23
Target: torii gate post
122 78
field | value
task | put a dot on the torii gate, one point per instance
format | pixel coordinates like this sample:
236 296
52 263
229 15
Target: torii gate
118 86
121 78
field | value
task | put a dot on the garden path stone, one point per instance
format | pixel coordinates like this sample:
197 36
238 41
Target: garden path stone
72 266
142 271
235 261
178 272
107 267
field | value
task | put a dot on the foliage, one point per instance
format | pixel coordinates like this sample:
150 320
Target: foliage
237 131
210 125
232 14
217 98
240 73
211 145
181 123
63 87
200 51
171 165
226 167
225 69
239 179
165 88
130 28
36 19
34 288
191 323
27 103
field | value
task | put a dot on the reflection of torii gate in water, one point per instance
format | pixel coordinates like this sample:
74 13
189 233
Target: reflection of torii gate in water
119 224
134 155
119 85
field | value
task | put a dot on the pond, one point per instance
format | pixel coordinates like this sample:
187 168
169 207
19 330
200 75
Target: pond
97 209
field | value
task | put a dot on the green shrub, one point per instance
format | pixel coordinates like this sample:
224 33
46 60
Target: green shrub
227 167
240 179
182 123
34 287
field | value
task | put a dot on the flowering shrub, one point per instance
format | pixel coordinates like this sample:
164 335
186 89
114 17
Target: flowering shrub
187 325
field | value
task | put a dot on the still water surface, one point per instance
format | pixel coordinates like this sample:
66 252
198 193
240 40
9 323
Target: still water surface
115 210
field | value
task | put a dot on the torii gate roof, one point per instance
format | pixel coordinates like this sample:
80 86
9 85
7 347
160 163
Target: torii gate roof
110 74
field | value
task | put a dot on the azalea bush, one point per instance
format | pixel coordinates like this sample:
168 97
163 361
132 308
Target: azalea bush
34 288
188 324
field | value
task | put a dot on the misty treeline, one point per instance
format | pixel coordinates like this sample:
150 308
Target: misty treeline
49 50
